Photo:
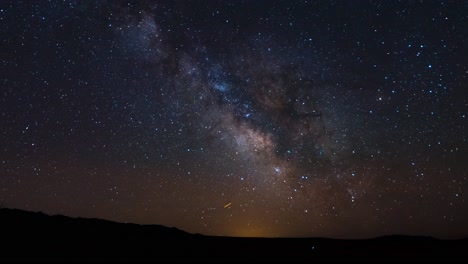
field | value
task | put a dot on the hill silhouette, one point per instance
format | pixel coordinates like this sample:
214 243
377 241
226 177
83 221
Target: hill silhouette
37 236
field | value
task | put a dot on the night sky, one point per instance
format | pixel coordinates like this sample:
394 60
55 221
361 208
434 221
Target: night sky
342 119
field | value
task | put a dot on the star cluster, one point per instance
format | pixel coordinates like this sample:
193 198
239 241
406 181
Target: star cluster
239 118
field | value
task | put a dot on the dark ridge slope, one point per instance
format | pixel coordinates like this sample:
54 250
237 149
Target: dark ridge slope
36 236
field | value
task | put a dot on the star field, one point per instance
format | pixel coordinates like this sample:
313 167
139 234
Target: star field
338 119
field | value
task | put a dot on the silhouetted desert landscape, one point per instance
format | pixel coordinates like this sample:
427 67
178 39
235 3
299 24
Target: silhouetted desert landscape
37 236
219 130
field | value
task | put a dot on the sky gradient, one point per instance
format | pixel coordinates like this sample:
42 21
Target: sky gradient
342 119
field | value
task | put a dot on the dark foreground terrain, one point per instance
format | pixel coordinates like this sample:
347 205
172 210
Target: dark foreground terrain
36 236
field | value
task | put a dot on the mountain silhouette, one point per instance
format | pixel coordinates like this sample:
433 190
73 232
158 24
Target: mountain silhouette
37 236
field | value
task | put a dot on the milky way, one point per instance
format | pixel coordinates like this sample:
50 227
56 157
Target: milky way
239 118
